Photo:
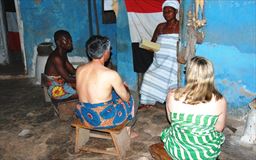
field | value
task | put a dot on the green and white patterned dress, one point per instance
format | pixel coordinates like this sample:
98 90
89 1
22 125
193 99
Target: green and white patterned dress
192 137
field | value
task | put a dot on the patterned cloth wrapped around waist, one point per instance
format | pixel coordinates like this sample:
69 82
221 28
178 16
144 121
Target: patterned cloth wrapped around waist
192 137
58 88
106 115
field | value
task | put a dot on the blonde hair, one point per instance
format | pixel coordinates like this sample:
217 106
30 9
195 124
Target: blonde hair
200 82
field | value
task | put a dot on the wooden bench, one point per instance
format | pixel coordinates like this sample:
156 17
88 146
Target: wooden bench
158 152
119 137
64 109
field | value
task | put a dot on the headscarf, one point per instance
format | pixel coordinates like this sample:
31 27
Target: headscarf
174 4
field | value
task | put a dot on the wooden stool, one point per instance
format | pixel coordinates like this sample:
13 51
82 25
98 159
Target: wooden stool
44 86
158 152
118 135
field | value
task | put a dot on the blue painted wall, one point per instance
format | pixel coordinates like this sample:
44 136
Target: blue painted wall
124 48
42 18
230 43
108 30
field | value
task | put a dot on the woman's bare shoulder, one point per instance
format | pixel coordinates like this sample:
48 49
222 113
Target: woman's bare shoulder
160 26
170 94
221 105
171 91
222 100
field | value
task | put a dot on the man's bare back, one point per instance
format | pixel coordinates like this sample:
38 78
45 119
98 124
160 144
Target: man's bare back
96 86
95 83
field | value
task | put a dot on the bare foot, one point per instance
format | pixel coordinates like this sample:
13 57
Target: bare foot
145 106
132 134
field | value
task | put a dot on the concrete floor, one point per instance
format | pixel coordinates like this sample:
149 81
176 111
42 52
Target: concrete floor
12 69
29 130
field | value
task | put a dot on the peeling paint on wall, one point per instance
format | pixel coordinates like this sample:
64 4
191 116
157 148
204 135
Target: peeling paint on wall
124 49
3 44
39 21
230 43
247 93
234 72
33 71
21 33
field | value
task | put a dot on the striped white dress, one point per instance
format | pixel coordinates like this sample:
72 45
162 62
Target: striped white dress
162 73
192 137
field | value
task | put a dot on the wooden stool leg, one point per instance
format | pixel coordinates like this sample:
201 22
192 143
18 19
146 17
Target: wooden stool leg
46 96
158 152
122 142
82 136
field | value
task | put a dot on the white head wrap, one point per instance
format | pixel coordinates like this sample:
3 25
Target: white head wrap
172 3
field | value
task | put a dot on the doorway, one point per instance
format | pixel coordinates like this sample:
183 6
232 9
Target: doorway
11 61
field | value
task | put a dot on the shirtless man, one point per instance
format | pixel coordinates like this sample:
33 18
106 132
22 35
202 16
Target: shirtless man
105 101
59 70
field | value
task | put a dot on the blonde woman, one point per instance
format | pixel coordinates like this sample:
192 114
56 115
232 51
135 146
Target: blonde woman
197 113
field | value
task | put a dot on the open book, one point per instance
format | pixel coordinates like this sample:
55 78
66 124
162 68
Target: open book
148 45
